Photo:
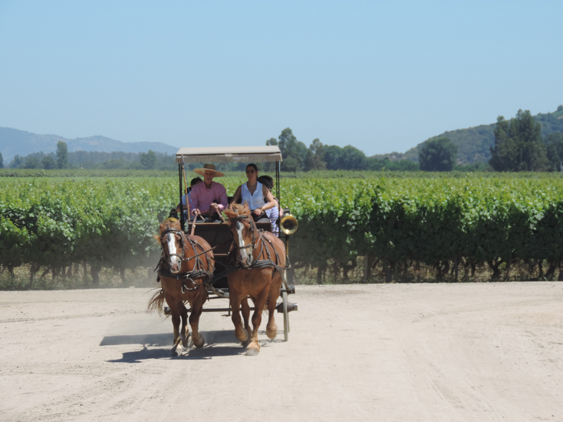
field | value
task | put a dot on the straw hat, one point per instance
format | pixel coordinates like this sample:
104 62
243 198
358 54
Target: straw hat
209 167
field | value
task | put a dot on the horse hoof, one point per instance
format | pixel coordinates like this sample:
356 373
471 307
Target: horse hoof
199 342
272 333
252 352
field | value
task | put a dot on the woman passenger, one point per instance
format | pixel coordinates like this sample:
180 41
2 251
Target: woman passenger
255 194
275 212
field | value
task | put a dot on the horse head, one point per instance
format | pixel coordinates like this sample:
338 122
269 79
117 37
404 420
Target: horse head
171 239
244 231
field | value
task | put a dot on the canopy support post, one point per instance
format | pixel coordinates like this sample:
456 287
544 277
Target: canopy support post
182 224
278 195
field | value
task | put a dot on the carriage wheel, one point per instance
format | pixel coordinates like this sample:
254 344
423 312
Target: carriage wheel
285 317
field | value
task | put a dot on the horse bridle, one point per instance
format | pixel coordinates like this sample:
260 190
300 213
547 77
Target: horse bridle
175 232
252 245
197 271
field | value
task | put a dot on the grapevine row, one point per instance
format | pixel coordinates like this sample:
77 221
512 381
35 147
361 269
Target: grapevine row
447 224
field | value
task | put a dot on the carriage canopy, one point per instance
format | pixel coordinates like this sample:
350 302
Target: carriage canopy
259 154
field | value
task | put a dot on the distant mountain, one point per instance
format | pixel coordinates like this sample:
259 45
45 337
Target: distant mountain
474 143
13 141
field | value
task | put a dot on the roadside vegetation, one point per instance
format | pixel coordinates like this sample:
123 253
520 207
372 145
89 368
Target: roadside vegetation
87 232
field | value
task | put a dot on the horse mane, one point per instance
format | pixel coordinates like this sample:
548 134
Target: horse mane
171 223
237 209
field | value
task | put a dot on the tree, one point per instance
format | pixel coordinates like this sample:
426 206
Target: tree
32 162
347 158
554 144
315 154
353 159
1 161
148 160
437 154
332 156
48 163
62 155
293 151
17 162
518 145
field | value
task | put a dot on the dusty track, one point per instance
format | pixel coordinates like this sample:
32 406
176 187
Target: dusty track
429 352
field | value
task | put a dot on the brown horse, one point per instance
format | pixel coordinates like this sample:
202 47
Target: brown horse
186 262
261 256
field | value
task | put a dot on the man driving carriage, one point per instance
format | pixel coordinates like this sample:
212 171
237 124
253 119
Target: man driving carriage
209 198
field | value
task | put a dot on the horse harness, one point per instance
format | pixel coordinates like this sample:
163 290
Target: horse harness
198 270
260 263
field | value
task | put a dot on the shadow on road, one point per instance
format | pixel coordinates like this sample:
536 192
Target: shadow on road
217 344
144 339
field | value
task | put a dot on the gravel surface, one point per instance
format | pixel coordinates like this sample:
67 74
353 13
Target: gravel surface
387 352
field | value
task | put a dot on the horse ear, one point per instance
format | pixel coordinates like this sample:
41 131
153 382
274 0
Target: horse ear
246 208
229 213
157 238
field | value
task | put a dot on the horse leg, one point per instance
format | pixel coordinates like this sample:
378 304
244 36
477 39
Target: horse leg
234 299
197 309
185 331
272 328
259 302
246 316
175 311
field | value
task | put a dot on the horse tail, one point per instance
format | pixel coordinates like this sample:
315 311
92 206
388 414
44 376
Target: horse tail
156 302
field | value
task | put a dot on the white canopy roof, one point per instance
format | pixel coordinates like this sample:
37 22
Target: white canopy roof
229 154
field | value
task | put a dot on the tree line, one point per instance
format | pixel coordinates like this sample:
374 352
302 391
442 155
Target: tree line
298 157
518 146
62 159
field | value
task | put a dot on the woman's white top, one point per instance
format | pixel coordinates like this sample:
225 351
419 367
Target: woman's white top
254 201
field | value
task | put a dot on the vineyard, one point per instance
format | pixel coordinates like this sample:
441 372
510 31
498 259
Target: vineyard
394 229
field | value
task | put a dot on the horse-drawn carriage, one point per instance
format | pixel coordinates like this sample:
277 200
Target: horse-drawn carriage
201 259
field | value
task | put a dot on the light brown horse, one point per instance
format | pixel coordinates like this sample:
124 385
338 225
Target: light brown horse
186 262
261 256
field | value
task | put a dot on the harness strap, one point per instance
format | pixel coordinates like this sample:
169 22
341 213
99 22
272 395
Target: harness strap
197 271
262 263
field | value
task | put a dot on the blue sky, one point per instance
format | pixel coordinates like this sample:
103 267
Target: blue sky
381 76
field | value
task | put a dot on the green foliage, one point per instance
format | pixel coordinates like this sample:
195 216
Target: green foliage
474 144
518 145
332 157
437 155
62 155
48 163
437 220
32 163
148 160
554 146
315 156
293 151
1 161
16 162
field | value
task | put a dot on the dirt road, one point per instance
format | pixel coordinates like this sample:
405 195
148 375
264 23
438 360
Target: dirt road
426 352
